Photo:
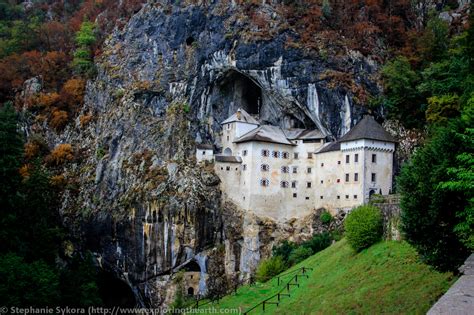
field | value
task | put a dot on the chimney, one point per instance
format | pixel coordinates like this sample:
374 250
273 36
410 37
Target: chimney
239 114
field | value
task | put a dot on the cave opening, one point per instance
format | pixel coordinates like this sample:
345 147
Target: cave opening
236 90
114 291
189 40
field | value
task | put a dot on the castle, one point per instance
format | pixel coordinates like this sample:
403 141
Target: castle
287 173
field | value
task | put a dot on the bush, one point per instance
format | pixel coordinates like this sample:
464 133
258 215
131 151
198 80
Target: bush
318 242
363 227
325 217
269 268
61 154
300 254
284 250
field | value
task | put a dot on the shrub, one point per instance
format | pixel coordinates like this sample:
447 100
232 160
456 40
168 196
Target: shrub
325 217
363 227
61 154
300 254
58 119
284 250
318 242
269 268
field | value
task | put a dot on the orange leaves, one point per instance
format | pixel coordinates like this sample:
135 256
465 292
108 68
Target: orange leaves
59 119
85 119
72 92
32 150
61 154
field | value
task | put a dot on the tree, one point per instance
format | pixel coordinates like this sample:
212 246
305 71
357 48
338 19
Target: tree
85 38
430 212
401 96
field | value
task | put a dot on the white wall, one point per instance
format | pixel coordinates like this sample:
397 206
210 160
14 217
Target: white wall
204 155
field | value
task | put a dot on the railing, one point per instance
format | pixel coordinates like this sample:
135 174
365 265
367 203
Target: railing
280 293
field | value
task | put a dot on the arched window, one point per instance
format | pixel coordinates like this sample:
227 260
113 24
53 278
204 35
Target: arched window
264 167
264 182
293 184
285 169
228 152
276 154
284 184
265 153
285 155
190 291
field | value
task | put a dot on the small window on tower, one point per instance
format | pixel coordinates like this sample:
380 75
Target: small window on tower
347 158
295 155
356 158
244 167
244 152
347 196
295 170
310 155
321 197
308 185
338 162
295 195
338 180
356 177
355 196
338 197
227 138
374 177
347 177
374 158
322 164
322 182
309 170
293 184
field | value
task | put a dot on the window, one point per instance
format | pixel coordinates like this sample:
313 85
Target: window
285 155
227 138
222 168
276 154
265 153
307 198
338 197
355 196
338 180
264 182
203 152
295 155
347 158
236 168
374 158
322 182
308 185
356 158
374 177
244 167
228 126
322 164
244 152
295 195
293 184
310 155
264 167
347 177
227 168
284 184
356 177
347 196
321 197
309 170
285 169
338 162
295 170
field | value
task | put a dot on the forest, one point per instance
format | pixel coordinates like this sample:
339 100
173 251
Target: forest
427 74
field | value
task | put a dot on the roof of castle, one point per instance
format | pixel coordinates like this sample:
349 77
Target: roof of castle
330 146
265 133
304 134
202 146
244 117
228 158
368 128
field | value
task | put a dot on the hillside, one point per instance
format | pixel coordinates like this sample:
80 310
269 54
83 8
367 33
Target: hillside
387 278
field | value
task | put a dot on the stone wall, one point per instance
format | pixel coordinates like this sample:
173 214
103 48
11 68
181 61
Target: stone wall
390 208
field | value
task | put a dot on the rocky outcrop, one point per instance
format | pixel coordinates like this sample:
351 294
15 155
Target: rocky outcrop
135 196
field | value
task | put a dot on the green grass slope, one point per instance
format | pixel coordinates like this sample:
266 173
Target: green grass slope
387 278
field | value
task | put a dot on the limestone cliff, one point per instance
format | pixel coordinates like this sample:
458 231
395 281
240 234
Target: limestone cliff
164 83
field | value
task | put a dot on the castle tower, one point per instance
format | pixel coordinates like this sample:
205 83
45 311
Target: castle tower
235 126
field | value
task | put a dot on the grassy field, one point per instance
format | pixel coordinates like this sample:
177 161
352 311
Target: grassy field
387 278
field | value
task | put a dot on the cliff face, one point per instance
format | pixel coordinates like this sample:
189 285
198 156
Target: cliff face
164 83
